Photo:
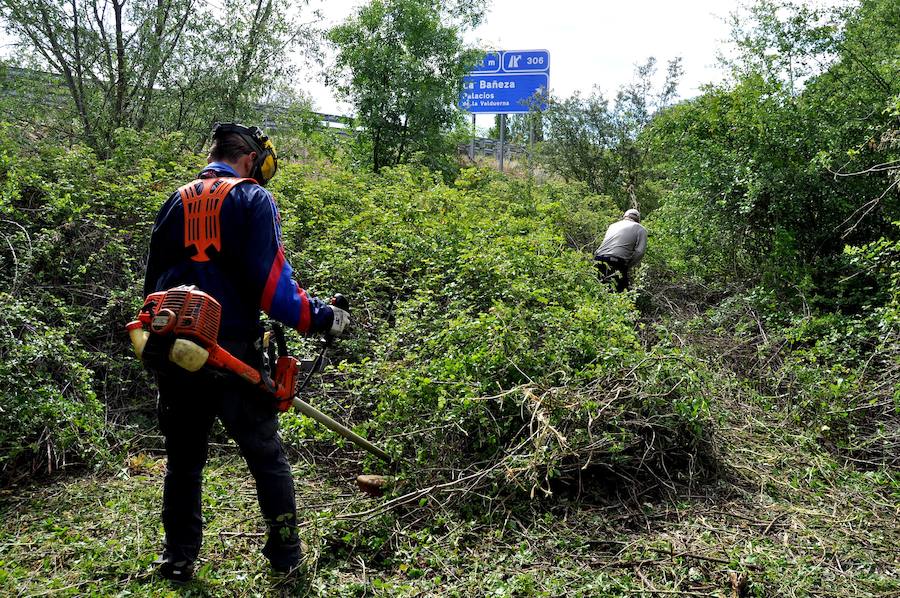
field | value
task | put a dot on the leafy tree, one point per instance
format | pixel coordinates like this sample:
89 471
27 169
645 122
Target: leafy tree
591 142
782 41
494 132
636 104
401 63
519 127
581 140
762 158
523 125
156 64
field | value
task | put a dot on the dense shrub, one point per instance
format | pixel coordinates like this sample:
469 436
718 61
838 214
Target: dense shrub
773 173
75 232
477 324
836 375
481 334
50 414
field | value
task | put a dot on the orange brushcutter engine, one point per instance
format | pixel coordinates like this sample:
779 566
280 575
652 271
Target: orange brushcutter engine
190 318
185 312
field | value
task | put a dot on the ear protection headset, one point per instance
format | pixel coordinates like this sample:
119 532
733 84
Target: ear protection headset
266 159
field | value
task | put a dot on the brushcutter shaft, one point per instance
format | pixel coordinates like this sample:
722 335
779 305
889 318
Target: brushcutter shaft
310 411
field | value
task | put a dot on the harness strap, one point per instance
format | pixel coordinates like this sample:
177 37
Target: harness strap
202 200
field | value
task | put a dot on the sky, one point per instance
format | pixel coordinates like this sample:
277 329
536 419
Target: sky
591 42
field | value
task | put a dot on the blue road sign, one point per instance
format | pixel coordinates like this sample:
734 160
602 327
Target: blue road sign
506 82
489 64
502 93
526 61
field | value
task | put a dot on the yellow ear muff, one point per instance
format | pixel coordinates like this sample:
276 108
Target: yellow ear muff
270 162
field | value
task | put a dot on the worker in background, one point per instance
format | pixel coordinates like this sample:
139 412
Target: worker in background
222 233
622 249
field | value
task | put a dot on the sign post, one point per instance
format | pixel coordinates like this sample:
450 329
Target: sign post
473 138
507 82
502 138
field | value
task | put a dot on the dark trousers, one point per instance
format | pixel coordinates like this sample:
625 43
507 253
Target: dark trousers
613 269
188 406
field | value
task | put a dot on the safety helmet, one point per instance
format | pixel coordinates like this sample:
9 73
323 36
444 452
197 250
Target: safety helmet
266 162
633 214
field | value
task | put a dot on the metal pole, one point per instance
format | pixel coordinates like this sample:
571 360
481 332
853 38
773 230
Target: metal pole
473 137
502 138
310 411
530 140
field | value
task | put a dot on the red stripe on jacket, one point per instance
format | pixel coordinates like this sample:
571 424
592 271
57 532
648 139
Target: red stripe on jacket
303 321
272 280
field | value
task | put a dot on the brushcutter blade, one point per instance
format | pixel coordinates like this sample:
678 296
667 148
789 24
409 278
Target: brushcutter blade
373 485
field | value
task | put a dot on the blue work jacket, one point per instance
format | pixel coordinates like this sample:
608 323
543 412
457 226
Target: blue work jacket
248 273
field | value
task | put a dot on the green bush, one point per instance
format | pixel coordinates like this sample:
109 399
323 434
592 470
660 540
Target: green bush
481 333
50 415
474 319
75 232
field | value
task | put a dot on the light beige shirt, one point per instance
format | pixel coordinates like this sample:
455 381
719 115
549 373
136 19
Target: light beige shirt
625 239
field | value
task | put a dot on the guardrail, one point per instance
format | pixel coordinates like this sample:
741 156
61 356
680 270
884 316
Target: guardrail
343 125
271 114
339 124
487 147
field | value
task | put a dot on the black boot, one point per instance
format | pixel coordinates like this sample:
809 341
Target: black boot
177 571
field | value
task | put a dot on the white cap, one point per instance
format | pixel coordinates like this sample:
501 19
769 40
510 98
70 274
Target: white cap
633 214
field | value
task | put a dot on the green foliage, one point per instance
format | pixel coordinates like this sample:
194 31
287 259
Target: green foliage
601 146
494 131
772 175
472 302
880 259
50 415
580 140
581 217
157 66
525 128
760 166
687 242
471 308
74 234
401 63
486 356
841 375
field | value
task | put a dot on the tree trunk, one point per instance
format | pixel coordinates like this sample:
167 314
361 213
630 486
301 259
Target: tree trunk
121 75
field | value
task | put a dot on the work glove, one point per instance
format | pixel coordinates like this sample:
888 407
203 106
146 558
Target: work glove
341 309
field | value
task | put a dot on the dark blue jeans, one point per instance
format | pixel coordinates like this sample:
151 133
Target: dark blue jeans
188 406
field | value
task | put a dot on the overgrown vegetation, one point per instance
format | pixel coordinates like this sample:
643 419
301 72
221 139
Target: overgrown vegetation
730 428
480 335
604 146
783 191
75 232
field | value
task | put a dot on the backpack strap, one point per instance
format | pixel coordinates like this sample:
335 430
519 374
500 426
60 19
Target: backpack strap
202 200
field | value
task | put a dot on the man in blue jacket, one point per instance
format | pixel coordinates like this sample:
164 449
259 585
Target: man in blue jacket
222 233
